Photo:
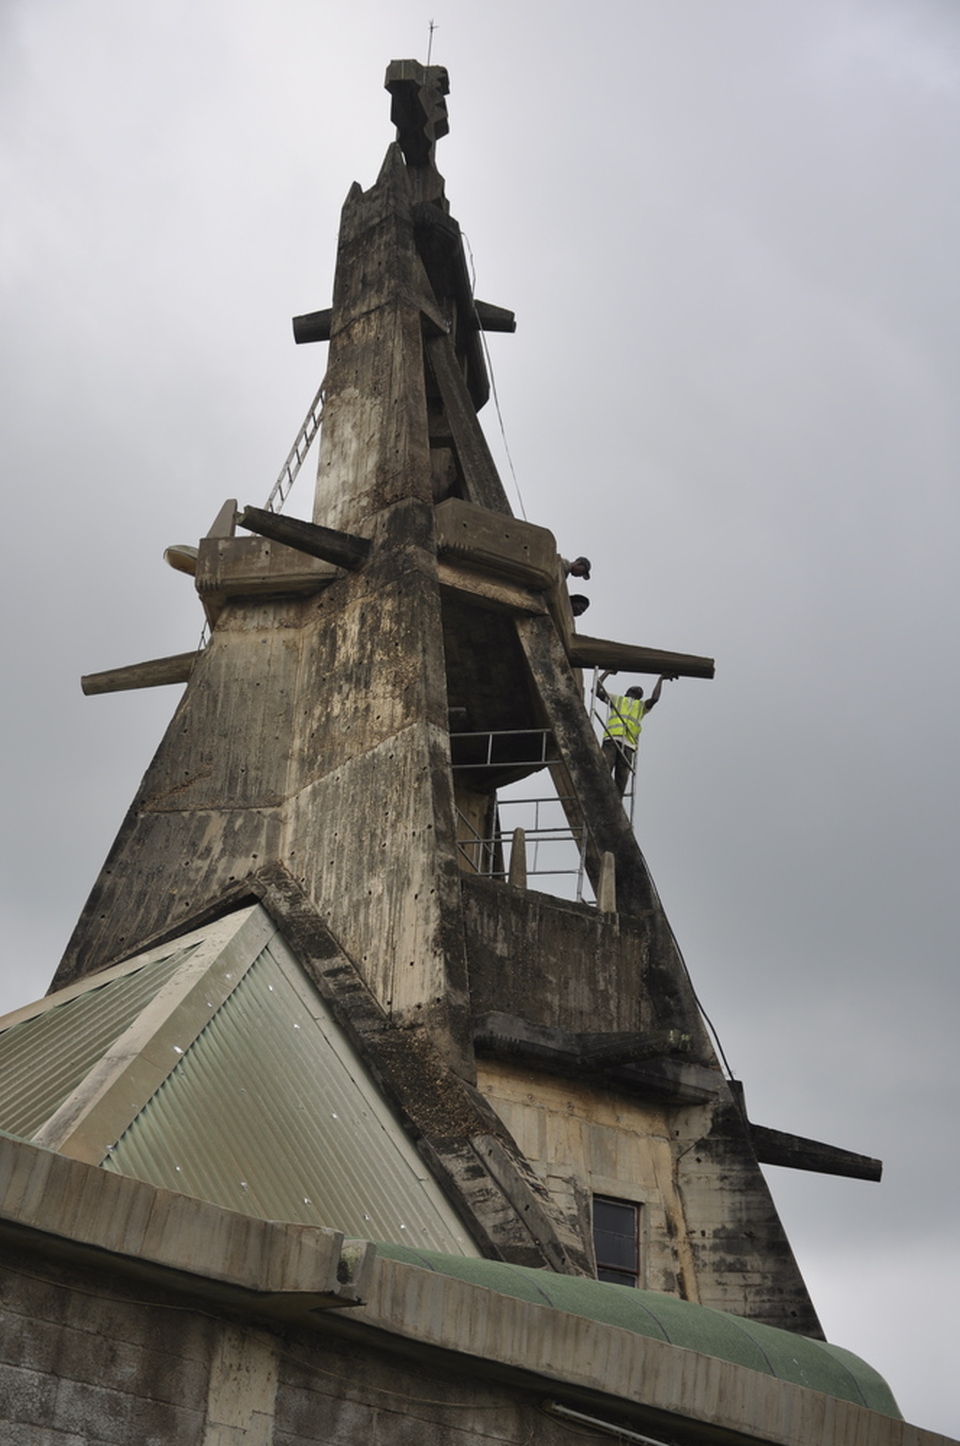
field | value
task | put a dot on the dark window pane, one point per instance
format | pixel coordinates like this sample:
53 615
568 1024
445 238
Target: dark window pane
615 1239
617 1250
616 1277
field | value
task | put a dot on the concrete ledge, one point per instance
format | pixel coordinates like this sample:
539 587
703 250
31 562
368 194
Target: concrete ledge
89 1206
295 1270
574 1355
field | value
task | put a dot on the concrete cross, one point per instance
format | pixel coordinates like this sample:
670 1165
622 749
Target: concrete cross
419 109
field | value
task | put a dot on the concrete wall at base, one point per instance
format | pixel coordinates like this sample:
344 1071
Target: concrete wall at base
89 1358
85 1360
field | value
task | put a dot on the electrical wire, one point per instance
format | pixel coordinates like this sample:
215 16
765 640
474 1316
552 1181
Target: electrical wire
493 384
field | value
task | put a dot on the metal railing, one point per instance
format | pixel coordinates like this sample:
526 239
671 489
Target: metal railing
498 749
554 848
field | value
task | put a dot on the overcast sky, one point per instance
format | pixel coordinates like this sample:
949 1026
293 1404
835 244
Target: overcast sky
730 232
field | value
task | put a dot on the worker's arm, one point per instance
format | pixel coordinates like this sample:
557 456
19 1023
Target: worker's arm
602 693
654 698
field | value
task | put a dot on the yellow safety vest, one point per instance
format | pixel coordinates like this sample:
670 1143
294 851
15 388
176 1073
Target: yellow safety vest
624 719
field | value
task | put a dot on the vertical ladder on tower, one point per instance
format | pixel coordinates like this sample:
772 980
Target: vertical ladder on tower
297 454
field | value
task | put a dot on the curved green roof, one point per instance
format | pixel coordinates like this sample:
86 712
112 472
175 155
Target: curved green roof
815 1364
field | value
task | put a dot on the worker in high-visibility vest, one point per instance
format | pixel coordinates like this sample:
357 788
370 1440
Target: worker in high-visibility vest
623 726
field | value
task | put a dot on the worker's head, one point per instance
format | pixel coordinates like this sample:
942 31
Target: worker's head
580 567
578 603
634 692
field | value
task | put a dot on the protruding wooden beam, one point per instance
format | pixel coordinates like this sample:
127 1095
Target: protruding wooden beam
776 1147
340 548
494 318
586 652
182 557
313 326
152 674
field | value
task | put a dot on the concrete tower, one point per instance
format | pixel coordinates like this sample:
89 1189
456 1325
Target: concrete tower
332 1127
372 679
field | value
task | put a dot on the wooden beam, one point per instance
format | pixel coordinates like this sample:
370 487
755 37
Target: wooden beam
505 596
481 479
776 1147
505 546
312 326
494 318
340 548
586 652
153 674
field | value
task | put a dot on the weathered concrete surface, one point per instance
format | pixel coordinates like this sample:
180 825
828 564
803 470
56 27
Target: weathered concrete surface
96 1349
714 1235
560 963
80 1205
87 1359
584 1142
318 736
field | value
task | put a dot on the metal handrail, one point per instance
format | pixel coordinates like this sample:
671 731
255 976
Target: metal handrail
544 734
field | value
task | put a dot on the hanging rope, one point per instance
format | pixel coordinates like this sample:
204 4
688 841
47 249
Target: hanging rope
493 385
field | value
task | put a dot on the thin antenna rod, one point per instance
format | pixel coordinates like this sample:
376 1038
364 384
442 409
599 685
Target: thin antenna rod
433 27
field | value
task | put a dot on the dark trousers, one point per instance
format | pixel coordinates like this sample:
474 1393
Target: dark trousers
619 756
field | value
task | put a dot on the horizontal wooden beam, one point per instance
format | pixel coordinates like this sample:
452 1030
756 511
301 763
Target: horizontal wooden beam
153 674
340 548
313 326
506 596
776 1147
585 652
494 318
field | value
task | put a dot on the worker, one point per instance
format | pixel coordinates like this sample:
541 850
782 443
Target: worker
623 726
579 567
578 604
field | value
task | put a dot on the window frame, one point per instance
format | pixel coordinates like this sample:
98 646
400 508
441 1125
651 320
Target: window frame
615 1272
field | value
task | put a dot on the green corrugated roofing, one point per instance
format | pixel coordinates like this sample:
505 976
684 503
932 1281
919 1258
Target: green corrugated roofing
271 1112
44 1056
814 1364
233 1084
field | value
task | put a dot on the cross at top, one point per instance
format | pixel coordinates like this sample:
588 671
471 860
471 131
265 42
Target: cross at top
419 109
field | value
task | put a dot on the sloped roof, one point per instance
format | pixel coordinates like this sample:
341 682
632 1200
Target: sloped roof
817 1365
214 1068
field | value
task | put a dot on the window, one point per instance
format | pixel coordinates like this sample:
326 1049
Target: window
616 1240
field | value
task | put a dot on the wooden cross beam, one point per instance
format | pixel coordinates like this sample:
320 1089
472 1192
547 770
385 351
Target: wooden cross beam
585 652
340 548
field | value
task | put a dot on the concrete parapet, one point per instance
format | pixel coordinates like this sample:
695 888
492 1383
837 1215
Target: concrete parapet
87 1206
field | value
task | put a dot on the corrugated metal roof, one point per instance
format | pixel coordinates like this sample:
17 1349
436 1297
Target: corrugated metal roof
272 1112
44 1057
817 1365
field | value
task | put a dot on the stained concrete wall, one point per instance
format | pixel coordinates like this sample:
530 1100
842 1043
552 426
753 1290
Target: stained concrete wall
88 1361
128 1314
584 1142
562 964
84 1361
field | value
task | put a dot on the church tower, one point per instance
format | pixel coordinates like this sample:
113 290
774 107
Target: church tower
375 681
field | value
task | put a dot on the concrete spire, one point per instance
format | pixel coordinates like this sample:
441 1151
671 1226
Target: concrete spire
327 738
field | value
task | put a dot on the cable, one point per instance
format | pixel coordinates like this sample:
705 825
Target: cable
493 384
683 964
